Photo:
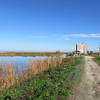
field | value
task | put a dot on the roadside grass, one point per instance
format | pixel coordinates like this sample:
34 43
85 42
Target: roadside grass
97 59
56 82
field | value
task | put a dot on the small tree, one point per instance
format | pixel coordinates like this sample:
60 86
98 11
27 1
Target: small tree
58 51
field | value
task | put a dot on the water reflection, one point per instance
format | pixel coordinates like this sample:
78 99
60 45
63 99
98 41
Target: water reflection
19 62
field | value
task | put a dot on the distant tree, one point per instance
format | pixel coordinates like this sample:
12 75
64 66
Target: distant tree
58 51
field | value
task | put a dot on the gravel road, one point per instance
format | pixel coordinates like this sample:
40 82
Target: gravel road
90 86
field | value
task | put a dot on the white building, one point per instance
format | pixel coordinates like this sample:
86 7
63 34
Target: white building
82 48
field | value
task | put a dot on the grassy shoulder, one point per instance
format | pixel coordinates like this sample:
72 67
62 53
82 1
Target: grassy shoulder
97 59
57 82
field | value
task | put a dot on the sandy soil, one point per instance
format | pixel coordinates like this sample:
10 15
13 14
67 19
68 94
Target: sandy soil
89 88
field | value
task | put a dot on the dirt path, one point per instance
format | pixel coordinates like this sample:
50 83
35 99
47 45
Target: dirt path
90 86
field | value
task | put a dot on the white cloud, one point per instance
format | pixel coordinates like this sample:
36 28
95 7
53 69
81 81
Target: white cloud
96 35
66 36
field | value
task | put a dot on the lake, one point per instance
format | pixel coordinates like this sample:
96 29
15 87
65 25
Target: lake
19 61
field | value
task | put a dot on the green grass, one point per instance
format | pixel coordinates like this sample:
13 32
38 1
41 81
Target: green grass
97 59
56 82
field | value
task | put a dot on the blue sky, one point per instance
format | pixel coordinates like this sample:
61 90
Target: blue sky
49 25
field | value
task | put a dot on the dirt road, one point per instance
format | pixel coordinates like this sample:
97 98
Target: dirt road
90 86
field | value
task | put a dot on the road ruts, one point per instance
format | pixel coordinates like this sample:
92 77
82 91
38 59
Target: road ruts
89 88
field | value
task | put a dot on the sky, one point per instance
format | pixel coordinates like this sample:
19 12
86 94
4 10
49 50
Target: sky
49 25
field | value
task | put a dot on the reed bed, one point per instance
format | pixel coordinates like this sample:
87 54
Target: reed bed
9 78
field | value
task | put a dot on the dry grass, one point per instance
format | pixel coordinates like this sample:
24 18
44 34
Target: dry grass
9 78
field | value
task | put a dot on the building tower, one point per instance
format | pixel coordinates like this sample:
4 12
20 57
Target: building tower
82 48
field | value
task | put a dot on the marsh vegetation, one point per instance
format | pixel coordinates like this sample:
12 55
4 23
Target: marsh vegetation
31 53
9 76
47 79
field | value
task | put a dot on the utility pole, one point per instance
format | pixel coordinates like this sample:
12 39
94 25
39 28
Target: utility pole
76 49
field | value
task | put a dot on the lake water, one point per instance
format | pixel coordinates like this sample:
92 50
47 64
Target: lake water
19 61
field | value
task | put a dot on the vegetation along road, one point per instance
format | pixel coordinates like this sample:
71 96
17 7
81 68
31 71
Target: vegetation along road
56 83
74 79
90 86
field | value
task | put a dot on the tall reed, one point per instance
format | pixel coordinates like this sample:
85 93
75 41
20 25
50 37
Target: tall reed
9 78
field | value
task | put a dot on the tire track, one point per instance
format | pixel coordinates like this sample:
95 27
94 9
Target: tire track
89 88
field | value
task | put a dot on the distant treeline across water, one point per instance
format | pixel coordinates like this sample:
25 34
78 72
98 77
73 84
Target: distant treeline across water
30 53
